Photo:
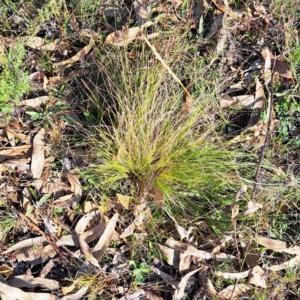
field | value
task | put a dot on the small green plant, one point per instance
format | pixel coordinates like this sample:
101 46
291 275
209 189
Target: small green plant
139 272
7 223
13 80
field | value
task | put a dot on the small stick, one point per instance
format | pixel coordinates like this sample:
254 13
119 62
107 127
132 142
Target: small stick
264 148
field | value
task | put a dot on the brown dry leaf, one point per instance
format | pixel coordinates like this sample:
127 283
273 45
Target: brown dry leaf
6 270
14 152
178 246
128 231
78 56
35 102
39 78
142 10
33 42
217 23
166 277
75 186
22 137
35 255
106 237
26 243
294 262
95 232
187 103
185 258
179 292
38 154
233 276
28 281
124 200
39 43
234 206
121 38
205 281
58 80
21 164
181 230
277 246
79 230
65 201
171 255
257 277
250 252
12 293
251 208
259 104
233 291
78 295
89 206
221 5
277 65
238 102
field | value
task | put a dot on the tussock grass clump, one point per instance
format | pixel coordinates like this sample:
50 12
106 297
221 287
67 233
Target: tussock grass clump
144 134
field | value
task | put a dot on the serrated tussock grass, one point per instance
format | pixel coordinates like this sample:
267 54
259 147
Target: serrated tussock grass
145 136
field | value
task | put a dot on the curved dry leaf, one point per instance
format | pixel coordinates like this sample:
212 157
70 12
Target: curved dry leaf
178 246
180 229
166 277
19 151
35 102
179 292
105 239
234 206
279 66
223 6
124 200
33 42
79 55
259 104
170 255
142 10
277 246
26 243
233 276
58 80
238 102
79 230
128 231
75 185
295 261
257 277
12 293
38 154
251 208
121 38
28 281
233 291
64 201
206 281
22 137
78 295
